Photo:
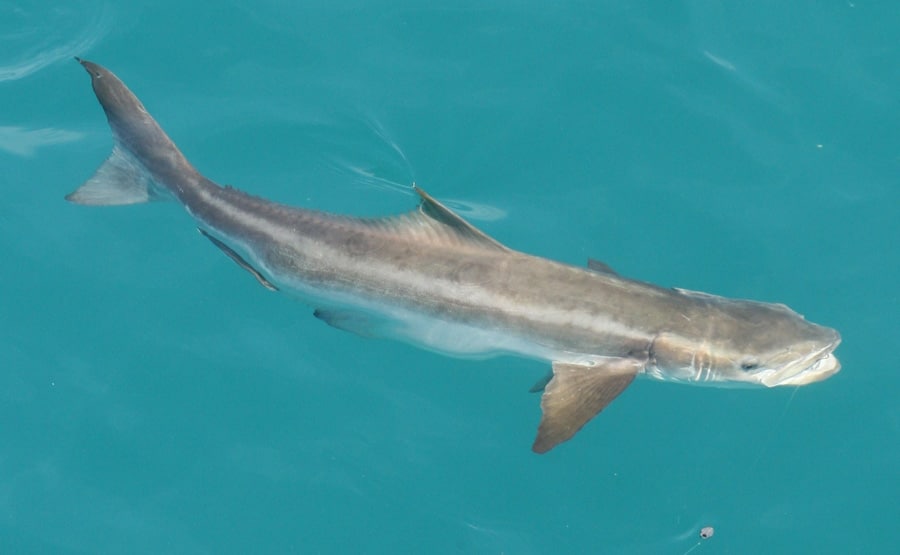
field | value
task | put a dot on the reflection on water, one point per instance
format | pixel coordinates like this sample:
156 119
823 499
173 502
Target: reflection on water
24 142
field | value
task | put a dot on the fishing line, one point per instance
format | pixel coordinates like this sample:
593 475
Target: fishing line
777 425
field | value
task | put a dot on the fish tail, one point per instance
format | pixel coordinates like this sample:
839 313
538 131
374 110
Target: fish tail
124 178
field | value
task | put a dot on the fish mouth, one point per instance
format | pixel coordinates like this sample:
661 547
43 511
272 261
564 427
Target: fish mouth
815 367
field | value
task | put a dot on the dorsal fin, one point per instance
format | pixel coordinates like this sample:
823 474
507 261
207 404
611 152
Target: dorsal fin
440 213
435 222
600 267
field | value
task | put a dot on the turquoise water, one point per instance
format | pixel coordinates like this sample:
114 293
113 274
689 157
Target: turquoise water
154 399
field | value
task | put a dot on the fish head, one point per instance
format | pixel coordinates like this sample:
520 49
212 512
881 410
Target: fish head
748 343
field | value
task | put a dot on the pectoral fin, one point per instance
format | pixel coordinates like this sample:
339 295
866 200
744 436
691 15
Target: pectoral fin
541 384
576 394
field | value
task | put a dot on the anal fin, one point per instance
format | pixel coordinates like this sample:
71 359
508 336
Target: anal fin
239 260
577 393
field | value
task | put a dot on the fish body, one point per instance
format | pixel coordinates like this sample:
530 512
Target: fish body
430 278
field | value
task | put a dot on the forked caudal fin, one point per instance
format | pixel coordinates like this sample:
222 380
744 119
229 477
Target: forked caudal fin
125 178
119 180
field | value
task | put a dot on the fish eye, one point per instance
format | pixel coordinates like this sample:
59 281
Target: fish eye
749 364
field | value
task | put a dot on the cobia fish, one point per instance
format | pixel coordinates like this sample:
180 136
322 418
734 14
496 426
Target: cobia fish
430 278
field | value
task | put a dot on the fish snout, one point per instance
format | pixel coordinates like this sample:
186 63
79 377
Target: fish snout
818 364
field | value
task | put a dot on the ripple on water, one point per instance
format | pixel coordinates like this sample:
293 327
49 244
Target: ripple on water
39 34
